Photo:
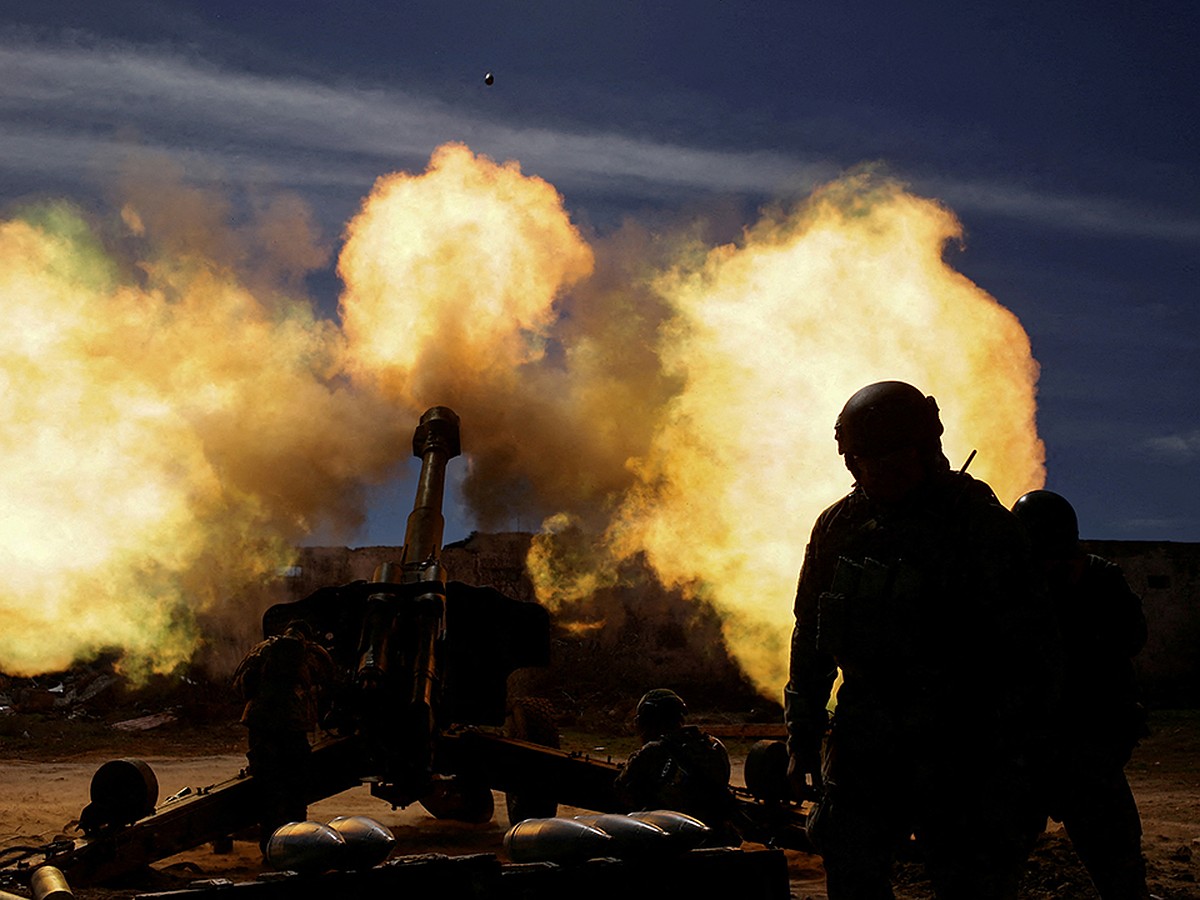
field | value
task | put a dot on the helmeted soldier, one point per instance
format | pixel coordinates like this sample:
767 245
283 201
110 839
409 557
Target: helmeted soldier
919 586
282 679
1099 720
679 767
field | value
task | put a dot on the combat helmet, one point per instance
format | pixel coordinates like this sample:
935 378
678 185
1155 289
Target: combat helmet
885 417
660 705
1050 522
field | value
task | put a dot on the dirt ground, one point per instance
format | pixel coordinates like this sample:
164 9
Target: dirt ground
45 775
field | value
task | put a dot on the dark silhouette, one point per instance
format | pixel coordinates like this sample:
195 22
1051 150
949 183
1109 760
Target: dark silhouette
919 586
281 680
678 767
1099 719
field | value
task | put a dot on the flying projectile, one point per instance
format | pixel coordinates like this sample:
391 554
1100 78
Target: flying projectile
489 78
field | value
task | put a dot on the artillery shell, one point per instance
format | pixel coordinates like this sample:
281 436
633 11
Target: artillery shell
306 847
368 842
632 837
557 840
49 883
687 831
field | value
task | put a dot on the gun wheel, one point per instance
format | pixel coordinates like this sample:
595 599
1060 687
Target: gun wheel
531 719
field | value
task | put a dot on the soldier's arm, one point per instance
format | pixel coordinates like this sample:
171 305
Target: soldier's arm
245 676
642 774
324 669
811 673
811 670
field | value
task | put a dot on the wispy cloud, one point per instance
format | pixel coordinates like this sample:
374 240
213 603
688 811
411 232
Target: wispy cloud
66 109
1098 215
1163 528
63 105
1176 449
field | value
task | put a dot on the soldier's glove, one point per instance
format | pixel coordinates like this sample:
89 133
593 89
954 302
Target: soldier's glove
806 727
804 770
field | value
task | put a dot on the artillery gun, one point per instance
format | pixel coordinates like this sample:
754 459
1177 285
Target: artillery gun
423 666
420 657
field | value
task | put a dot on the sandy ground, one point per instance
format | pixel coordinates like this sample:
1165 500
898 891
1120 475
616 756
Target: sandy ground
40 799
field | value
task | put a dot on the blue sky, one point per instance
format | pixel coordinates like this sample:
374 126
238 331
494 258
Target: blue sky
1065 136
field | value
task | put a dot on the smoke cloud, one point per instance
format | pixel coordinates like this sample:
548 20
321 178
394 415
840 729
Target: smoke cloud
182 416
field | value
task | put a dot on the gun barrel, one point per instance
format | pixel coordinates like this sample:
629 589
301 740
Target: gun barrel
435 442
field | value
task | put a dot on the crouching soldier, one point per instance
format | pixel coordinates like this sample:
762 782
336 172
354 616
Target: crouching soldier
281 680
679 767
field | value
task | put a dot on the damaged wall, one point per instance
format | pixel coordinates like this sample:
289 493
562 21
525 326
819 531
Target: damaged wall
650 636
1166 575
618 644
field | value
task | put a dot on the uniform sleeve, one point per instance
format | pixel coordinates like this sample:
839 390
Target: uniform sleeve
322 666
637 783
811 671
245 677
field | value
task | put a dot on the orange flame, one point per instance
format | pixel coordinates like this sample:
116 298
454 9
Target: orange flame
454 280
451 276
167 438
174 425
769 338
687 413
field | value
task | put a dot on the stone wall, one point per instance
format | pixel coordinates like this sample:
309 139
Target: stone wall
1166 575
628 639
483 559
605 652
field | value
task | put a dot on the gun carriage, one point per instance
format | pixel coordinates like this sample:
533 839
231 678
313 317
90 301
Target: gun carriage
415 713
